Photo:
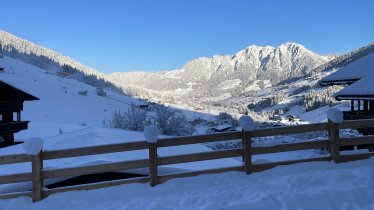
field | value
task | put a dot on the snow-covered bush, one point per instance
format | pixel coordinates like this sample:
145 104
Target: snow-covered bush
228 118
171 122
260 117
134 119
224 116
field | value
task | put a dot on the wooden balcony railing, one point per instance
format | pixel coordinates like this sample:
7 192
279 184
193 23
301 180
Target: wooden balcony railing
12 127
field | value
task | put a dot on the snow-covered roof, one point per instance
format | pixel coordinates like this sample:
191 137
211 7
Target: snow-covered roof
352 72
23 95
362 89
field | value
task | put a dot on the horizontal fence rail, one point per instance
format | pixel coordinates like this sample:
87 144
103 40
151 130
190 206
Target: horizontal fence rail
101 168
39 174
8 159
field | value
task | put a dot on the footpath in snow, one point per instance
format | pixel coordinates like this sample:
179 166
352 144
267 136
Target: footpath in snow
316 185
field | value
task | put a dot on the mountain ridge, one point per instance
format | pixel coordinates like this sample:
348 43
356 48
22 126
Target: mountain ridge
252 63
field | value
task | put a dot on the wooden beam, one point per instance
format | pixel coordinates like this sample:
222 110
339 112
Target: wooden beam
15 194
13 178
290 130
177 141
93 169
355 157
334 140
359 140
266 166
93 150
19 116
365 123
366 105
194 157
291 147
98 185
19 158
352 106
247 152
37 177
13 127
371 106
196 173
152 151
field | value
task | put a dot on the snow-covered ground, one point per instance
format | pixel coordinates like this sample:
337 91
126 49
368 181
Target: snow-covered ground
316 185
66 119
59 101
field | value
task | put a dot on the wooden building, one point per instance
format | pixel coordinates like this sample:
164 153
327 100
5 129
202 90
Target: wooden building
358 77
361 97
11 105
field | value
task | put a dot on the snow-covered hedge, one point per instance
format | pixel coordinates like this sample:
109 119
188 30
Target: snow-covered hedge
134 119
169 121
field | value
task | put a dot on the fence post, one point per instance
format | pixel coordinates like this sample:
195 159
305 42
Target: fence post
334 117
153 163
243 146
37 177
334 141
247 151
247 125
34 148
151 135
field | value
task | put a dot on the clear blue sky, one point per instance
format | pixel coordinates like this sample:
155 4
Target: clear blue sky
124 35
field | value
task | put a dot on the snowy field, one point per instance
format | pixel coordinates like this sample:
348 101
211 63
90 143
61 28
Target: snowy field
317 185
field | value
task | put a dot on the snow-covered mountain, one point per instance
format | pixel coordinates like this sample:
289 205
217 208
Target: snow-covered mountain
222 83
347 58
253 63
64 103
51 61
201 76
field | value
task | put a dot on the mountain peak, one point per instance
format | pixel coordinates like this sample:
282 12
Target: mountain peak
291 45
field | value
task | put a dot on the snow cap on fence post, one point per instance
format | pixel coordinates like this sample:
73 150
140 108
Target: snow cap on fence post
335 115
151 133
33 146
247 123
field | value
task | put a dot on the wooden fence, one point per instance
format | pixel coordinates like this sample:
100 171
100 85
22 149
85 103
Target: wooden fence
38 174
